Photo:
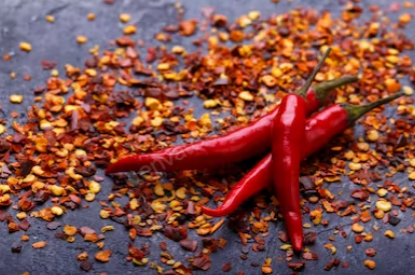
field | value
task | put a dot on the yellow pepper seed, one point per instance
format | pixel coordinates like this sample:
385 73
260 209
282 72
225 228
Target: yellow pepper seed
50 18
130 29
370 264
357 228
246 96
57 210
382 192
385 206
390 234
181 193
81 39
89 196
104 214
125 17
16 99
24 46
355 166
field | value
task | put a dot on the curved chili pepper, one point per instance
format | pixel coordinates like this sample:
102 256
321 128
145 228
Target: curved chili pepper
288 134
238 145
319 129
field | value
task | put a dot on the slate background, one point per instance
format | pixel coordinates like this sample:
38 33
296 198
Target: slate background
22 20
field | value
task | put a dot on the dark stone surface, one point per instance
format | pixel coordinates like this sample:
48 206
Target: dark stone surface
22 20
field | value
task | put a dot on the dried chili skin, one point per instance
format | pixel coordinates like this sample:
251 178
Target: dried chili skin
233 147
319 129
288 136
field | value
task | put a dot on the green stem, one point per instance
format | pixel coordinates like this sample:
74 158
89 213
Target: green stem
354 112
323 89
303 90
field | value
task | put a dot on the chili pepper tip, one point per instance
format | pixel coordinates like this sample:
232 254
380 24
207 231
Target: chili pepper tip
293 223
310 79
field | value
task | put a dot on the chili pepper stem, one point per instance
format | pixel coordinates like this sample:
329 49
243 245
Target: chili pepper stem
324 88
310 79
354 112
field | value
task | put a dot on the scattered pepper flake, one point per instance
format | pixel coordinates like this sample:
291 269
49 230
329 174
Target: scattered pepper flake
25 46
103 256
39 245
125 17
50 18
130 29
16 99
91 16
80 39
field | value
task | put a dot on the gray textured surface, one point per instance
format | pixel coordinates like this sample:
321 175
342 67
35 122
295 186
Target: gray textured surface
23 20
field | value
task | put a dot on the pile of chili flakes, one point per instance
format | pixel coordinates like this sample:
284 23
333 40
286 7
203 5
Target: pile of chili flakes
132 98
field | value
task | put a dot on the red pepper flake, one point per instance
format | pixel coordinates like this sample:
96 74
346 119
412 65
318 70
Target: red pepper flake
86 265
360 195
91 237
163 246
188 28
309 238
48 65
86 230
282 236
75 198
151 55
25 205
370 252
221 243
227 267
202 262
12 226
331 264
135 252
175 233
24 224
310 256
103 256
296 266
7 57
188 244
125 41
53 225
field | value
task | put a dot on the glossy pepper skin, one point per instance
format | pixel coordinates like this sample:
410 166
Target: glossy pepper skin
287 141
233 147
319 129
288 138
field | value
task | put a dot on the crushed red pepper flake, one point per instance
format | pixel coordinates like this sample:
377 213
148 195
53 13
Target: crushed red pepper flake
226 267
39 245
103 256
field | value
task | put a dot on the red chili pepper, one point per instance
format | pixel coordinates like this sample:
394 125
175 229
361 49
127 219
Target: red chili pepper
319 129
288 135
288 132
241 144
